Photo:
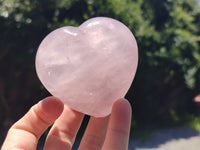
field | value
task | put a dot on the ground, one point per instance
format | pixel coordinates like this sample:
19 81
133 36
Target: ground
179 138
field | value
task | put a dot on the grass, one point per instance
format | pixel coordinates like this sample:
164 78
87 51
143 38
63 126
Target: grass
193 122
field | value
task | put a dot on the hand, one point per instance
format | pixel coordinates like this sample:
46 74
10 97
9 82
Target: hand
108 133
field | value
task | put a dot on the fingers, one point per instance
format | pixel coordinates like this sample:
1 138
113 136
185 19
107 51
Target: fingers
25 133
64 130
119 127
94 135
28 129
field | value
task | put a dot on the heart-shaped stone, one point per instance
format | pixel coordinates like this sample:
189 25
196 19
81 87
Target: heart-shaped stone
88 67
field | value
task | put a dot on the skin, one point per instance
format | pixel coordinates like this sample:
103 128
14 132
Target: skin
108 133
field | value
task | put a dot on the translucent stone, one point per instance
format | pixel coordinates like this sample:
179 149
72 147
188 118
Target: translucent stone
88 67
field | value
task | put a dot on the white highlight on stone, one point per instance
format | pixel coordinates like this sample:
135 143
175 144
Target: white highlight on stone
88 67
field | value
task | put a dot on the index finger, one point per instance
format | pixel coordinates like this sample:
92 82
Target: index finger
24 134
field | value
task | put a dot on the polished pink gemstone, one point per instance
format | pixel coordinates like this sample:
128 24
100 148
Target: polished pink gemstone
88 67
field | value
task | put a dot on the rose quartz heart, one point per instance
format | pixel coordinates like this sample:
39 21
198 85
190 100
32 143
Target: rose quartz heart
88 67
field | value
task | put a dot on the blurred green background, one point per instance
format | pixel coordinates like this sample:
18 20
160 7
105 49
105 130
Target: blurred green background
168 36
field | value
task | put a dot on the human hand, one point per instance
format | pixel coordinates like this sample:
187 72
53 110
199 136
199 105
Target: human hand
108 133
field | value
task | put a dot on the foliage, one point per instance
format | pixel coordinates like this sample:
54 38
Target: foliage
166 31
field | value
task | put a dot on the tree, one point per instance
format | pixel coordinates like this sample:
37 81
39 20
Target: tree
170 63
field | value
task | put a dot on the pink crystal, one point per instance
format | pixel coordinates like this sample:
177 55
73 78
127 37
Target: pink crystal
88 67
